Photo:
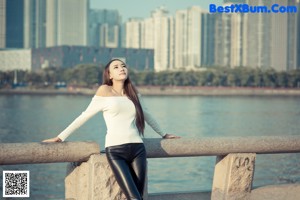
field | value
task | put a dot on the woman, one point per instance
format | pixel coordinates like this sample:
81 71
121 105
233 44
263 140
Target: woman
125 119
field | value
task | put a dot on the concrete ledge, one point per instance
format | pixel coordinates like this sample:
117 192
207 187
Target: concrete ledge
276 192
180 196
271 192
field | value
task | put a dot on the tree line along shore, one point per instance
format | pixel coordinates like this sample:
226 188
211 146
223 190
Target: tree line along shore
217 80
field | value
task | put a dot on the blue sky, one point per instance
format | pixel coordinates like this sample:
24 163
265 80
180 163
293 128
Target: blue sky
142 8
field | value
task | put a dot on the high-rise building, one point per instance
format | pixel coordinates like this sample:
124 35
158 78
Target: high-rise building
104 28
298 37
189 34
194 36
147 32
223 40
293 36
162 39
67 22
208 39
279 40
181 39
133 33
236 48
256 38
51 23
22 23
40 23
14 23
2 23
155 32
171 40
270 40
34 23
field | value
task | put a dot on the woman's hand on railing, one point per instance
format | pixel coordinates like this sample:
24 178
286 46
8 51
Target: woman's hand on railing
55 139
170 136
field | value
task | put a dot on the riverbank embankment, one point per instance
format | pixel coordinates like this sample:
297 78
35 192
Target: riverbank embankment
167 91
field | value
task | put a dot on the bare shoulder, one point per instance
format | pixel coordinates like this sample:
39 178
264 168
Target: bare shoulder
103 90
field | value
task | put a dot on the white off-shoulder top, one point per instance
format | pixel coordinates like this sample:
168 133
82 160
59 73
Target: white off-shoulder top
119 115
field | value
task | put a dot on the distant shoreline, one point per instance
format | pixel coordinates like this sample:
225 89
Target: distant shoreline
166 91
217 91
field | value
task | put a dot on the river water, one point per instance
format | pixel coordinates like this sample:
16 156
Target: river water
32 118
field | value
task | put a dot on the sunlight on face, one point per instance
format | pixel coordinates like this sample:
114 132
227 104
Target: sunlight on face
118 71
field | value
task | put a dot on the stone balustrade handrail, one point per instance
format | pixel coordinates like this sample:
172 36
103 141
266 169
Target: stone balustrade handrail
211 146
29 153
26 153
233 174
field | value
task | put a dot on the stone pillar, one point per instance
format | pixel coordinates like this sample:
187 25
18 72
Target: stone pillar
92 180
233 176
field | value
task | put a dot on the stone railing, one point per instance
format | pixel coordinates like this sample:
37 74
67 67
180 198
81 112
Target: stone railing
89 176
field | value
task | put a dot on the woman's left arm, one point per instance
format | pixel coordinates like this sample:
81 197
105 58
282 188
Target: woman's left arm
153 123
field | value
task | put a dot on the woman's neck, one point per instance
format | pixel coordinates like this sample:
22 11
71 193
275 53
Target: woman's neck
118 88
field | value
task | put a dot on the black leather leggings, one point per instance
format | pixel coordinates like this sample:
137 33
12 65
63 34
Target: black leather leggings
128 163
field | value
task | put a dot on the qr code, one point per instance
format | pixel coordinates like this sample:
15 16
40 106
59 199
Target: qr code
15 183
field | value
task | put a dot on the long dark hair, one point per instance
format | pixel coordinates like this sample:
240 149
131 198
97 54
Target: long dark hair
132 94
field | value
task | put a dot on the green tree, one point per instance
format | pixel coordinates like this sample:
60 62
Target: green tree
282 78
270 78
85 75
209 77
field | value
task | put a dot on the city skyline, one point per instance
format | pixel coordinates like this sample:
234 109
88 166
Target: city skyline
143 9
190 38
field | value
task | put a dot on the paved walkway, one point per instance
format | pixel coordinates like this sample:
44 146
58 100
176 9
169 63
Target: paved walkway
277 192
273 192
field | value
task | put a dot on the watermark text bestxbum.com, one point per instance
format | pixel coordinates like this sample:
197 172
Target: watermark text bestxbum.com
246 8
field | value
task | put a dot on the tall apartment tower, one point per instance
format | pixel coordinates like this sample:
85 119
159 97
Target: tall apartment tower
298 38
67 22
194 36
2 23
22 23
293 36
162 38
208 39
223 40
188 34
155 32
133 33
41 23
279 39
34 23
270 40
12 23
104 28
256 38
147 32
229 40
236 46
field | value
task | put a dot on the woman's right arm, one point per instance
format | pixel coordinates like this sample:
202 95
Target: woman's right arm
96 105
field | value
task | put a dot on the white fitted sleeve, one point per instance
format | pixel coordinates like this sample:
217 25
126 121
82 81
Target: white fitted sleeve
150 119
96 105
